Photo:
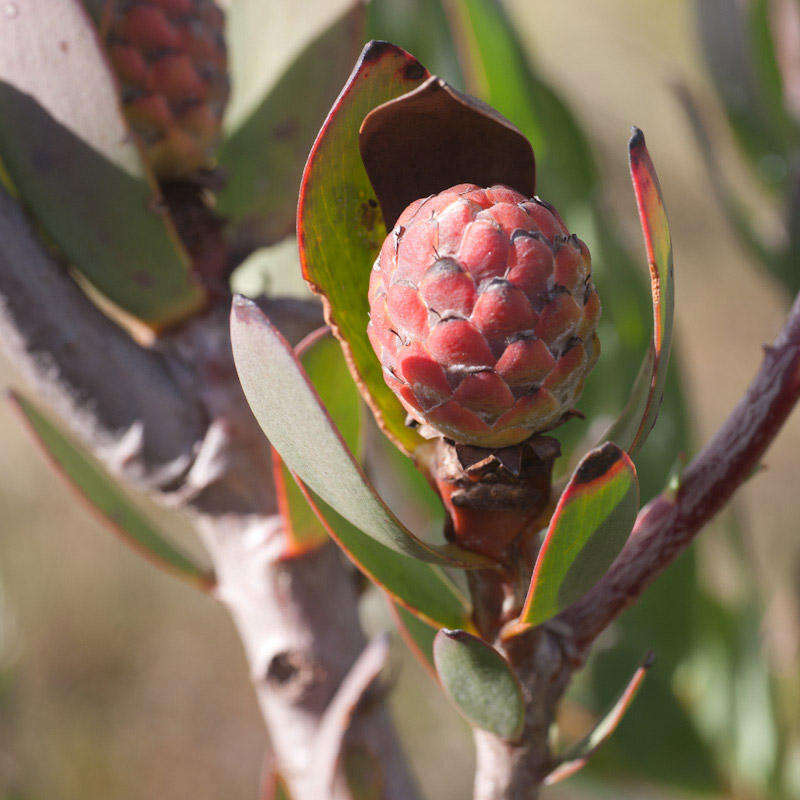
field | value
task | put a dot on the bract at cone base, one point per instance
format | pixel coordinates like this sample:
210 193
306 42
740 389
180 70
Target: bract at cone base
483 314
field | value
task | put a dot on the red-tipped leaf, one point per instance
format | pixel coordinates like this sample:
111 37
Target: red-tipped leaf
639 415
589 527
577 757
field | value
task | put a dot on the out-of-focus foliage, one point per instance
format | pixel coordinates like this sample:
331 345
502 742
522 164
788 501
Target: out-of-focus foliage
264 151
100 490
77 168
751 49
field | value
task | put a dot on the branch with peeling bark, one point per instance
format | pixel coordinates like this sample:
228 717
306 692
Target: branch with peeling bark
172 419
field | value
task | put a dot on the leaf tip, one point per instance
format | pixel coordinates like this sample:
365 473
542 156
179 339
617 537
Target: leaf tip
636 142
599 463
245 310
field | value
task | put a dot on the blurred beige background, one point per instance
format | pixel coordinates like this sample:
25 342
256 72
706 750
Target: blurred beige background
118 681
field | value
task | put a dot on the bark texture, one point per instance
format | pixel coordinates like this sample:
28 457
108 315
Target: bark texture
172 418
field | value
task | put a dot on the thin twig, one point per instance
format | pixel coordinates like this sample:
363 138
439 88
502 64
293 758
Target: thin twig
336 721
670 522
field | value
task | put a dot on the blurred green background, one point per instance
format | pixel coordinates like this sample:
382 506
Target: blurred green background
118 681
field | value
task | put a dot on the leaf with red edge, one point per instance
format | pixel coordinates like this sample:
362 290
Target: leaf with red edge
637 419
339 224
590 525
321 357
302 531
291 415
577 757
103 495
423 588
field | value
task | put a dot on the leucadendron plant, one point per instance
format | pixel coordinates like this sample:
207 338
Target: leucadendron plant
465 312
129 192
147 148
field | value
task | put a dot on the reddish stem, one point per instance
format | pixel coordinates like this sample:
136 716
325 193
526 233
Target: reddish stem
670 522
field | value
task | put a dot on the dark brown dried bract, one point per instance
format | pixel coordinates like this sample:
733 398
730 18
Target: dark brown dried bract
435 137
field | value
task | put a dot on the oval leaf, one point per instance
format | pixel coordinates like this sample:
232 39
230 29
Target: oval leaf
102 494
435 137
264 155
577 757
339 224
302 530
321 357
589 527
480 683
290 413
637 419
71 157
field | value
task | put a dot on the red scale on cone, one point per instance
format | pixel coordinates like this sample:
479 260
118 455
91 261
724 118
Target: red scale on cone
171 62
483 314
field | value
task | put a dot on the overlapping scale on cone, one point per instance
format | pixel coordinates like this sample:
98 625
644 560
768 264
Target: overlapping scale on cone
483 314
171 62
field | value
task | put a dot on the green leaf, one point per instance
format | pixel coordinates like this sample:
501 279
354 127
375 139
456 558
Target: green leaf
738 49
69 153
589 527
401 484
420 27
500 72
302 530
480 683
639 416
575 759
263 154
421 587
101 492
327 371
290 413
417 635
339 223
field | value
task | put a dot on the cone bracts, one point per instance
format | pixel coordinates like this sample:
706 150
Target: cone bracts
483 314
171 62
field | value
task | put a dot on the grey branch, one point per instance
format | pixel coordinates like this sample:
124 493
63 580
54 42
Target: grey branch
173 418
110 390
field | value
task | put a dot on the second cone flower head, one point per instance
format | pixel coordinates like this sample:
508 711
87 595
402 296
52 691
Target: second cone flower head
171 61
483 314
